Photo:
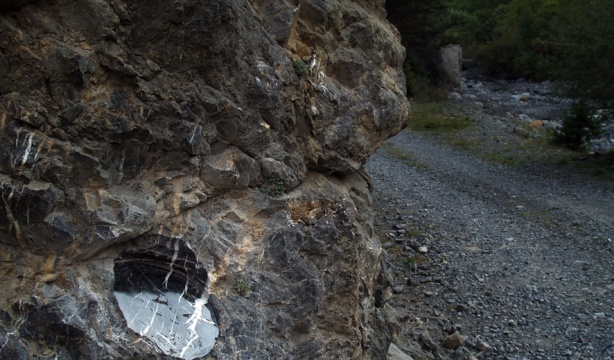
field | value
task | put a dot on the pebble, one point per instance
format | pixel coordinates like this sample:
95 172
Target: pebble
397 289
484 346
454 96
413 282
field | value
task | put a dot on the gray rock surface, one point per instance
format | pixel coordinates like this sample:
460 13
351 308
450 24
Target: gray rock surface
134 139
394 353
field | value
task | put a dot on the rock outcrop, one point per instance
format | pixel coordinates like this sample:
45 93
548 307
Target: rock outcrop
449 67
177 176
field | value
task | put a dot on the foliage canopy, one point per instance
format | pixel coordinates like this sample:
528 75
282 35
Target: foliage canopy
571 41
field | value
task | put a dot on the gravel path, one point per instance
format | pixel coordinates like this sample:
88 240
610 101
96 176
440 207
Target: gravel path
519 261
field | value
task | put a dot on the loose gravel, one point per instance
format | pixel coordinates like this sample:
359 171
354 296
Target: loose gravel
515 262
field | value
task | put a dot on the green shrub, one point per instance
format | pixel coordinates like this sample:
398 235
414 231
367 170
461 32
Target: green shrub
300 68
580 126
241 287
273 187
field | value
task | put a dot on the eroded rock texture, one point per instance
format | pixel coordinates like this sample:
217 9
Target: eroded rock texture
134 138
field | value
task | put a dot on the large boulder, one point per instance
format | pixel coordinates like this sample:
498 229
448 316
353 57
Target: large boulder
137 142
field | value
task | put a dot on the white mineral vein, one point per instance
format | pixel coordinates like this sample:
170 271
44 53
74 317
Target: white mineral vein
153 318
175 254
26 153
185 348
138 312
158 334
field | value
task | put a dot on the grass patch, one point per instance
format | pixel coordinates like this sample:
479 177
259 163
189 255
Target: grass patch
416 259
396 152
545 217
422 89
524 146
414 233
601 166
510 142
437 117
394 250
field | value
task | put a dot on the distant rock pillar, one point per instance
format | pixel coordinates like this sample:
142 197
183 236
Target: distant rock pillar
449 66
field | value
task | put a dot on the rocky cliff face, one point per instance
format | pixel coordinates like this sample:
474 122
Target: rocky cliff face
183 177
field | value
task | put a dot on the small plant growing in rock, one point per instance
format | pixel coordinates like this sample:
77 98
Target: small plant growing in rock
241 287
273 187
300 68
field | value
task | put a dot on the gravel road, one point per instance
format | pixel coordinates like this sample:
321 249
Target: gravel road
517 260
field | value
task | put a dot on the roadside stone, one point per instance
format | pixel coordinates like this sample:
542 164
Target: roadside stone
549 124
453 341
460 308
413 282
484 346
454 96
535 124
388 244
397 289
394 353
422 336
525 118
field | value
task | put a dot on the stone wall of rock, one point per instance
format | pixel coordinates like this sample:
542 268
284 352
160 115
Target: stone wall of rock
163 160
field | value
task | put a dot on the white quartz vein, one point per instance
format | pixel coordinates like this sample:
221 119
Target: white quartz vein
153 318
138 312
175 254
